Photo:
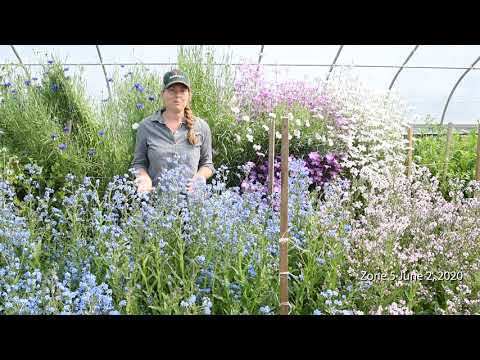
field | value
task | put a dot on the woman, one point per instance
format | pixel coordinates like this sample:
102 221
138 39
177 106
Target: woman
173 131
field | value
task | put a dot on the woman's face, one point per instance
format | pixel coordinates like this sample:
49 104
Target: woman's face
176 98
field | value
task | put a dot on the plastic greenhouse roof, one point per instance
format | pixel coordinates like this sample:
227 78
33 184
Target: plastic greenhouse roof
440 81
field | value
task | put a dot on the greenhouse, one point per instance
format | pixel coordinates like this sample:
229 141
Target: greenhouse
240 179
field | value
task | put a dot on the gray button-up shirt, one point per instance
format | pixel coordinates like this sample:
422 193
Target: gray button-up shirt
156 145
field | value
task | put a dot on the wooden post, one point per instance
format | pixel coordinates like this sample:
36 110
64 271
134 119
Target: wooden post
447 149
271 157
477 171
284 304
410 151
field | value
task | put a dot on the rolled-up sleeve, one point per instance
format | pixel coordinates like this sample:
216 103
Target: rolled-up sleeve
140 159
206 157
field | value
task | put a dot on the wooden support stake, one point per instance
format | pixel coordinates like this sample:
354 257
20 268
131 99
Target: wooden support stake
447 149
271 157
477 172
410 151
284 304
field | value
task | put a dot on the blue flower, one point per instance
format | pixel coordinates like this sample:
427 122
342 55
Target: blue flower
151 98
192 299
332 233
50 61
139 87
54 87
320 260
140 106
265 310
62 146
66 69
317 312
91 152
34 78
54 136
251 271
27 82
348 228
123 303
66 130
200 259
101 132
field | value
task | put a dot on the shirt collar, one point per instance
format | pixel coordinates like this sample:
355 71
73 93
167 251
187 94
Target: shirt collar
158 117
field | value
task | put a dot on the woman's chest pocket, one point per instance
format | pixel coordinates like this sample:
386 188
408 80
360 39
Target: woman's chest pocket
158 149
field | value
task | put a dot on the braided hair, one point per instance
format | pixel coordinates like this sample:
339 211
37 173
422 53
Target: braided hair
192 139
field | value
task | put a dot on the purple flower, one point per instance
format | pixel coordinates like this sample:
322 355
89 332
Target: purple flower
66 69
101 132
7 84
151 98
314 156
140 106
50 61
27 82
91 152
330 157
139 87
66 130
34 78
54 87
62 146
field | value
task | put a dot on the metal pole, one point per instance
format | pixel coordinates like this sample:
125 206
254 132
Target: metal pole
455 87
284 304
334 61
403 66
104 71
20 61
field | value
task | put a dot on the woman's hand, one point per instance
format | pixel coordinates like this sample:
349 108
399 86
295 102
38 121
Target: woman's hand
195 182
144 183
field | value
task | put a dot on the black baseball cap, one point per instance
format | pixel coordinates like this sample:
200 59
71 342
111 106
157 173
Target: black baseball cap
175 77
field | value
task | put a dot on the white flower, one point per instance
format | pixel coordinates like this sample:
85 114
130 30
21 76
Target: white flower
289 137
318 136
330 142
278 135
257 147
246 118
319 116
238 138
265 127
297 133
290 116
250 138
298 122
235 110
307 123
272 115
135 126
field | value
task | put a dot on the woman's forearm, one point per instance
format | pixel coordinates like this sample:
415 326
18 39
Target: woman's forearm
205 172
